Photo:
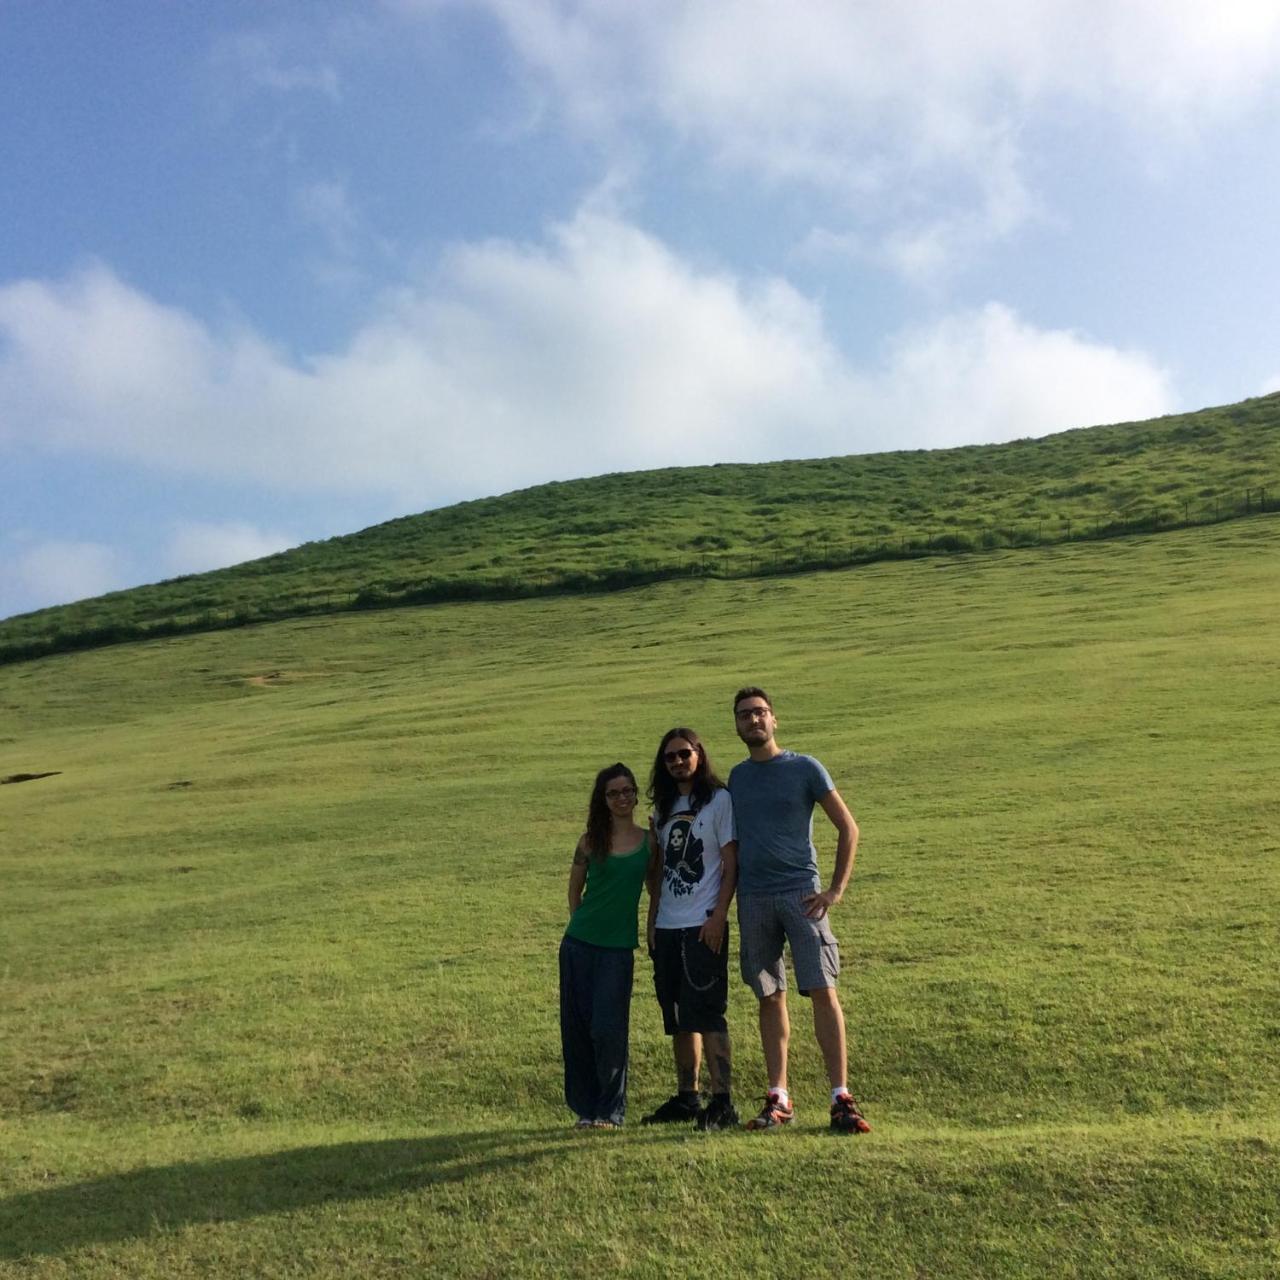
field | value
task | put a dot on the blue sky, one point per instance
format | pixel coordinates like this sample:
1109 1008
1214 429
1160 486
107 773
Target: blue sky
275 271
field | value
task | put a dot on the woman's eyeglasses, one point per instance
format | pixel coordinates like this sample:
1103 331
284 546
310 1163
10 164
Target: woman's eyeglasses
685 753
621 793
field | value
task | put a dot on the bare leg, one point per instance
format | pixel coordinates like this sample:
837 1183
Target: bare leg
687 1046
828 1026
775 1032
717 1045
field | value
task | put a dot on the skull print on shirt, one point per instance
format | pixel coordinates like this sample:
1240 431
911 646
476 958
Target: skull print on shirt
682 865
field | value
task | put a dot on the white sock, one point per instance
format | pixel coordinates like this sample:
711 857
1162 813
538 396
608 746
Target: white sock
838 1090
783 1096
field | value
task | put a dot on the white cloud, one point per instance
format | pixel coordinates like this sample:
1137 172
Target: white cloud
327 206
93 363
270 61
197 546
987 375
55 572
912 114
599 350
346 243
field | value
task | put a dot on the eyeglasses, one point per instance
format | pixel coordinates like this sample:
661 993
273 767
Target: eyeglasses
751 713
621 793
685 753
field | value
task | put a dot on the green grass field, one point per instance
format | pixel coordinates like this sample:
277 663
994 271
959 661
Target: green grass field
278 990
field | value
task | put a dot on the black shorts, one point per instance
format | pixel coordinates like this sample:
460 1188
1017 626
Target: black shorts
691 981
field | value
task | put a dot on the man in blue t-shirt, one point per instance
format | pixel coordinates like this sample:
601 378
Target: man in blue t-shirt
780 898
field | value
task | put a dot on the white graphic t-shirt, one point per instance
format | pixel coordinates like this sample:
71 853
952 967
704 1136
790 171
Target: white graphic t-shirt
691 866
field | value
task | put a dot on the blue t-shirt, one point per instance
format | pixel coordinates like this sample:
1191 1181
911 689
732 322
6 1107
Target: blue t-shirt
773 809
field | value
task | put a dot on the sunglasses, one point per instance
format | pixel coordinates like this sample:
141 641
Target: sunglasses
685 753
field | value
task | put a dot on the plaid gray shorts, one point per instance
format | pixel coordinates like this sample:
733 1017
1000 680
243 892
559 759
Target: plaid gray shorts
765 921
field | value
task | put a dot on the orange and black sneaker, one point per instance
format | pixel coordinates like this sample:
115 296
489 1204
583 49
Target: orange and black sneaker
845 1116
774 1113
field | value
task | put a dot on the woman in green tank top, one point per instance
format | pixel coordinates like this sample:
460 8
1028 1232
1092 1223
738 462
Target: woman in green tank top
611 864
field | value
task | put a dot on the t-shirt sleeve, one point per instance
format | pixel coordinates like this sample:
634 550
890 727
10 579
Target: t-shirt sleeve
819 780
722 818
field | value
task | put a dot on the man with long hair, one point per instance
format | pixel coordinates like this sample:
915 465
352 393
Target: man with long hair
688 924
780 898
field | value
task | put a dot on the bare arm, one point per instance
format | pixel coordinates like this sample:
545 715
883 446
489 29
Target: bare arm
818 904
653 882
712 932
577 876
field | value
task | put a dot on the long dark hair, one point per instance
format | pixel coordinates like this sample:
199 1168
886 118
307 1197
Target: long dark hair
663 790
599 819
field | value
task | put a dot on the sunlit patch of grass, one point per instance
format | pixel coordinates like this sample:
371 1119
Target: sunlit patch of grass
278 982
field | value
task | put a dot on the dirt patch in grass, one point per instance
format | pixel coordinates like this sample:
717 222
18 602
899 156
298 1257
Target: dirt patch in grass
30 777
281 677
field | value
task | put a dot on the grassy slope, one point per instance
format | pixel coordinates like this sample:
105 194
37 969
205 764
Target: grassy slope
732 519
278 989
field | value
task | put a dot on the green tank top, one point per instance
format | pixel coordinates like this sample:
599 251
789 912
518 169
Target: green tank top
606 916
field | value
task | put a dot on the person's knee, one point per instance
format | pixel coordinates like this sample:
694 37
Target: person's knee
824 998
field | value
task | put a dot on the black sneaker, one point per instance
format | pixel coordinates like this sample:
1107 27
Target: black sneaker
845 1116
719 1113
676 1110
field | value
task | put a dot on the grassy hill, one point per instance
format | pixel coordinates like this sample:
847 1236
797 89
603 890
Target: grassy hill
278 991
733 520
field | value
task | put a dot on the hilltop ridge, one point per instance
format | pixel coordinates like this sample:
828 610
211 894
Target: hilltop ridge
727 519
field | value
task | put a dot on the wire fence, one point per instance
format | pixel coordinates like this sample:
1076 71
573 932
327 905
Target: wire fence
825 552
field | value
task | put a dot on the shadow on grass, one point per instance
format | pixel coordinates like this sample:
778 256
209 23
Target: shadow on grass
149 1201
